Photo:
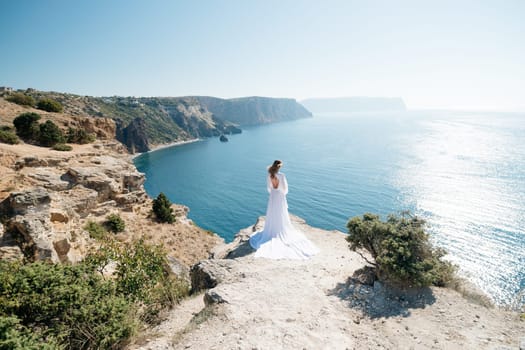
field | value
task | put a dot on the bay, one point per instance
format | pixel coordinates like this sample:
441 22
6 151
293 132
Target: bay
464 172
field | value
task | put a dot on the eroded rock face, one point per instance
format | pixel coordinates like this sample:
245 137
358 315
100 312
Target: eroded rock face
20 203
9 249
46 221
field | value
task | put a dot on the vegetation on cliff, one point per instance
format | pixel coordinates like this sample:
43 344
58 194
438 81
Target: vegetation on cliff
8 136
162 209
400 247
49 105
56 306
156 120
47 134
21 99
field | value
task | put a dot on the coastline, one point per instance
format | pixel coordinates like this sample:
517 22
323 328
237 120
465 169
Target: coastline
165 145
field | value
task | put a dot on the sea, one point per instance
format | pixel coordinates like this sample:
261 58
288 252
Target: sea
464 172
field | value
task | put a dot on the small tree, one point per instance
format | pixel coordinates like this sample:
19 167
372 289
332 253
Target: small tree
21 99
403 254
49 105
26 125
80 136
114 223
162 208
62 147
9 137
50 134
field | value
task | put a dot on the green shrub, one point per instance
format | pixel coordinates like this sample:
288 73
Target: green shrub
8 137
162 209
114 223
142 275
54 306
62 147
96 230
80 136
50 134
14 336
72 305
21 99
49 105
402 251
26 125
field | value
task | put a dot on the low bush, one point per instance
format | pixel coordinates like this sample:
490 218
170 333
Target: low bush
95 230
55 306
401 249
50 134
8 137
21 99
49 105
162 208
80 136
114 223
69 305
62 147
26 125
143 275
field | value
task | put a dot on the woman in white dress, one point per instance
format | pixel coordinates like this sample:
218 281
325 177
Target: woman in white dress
279 239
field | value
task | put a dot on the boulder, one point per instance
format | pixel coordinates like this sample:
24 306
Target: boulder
82 200
365 275
208 273
133 181
212 297
34 231
179 269
92 178
50 180
59 216
20 203
62 248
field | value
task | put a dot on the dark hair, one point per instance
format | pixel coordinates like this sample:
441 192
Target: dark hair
274 168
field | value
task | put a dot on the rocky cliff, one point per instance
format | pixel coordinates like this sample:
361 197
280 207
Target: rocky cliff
47 197
142 122
354 104
254 110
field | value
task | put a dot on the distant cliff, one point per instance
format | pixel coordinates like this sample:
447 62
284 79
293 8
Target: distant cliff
354 104
254 110
145 121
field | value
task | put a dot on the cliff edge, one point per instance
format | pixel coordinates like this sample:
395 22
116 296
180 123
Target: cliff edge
250 303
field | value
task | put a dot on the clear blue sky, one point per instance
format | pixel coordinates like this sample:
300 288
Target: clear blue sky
434 54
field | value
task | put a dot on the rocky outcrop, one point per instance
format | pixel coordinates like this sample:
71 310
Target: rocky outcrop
208 274
47 198
133 135
254 110
257 303
45 221
27 220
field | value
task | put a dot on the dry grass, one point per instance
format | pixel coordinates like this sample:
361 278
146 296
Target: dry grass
470 292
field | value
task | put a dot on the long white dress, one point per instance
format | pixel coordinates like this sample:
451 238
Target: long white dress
279 239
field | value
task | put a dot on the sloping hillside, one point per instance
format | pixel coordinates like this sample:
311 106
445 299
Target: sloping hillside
142 122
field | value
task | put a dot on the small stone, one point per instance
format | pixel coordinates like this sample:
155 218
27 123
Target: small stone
522 343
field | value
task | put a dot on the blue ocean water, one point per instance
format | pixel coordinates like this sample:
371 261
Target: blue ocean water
463 172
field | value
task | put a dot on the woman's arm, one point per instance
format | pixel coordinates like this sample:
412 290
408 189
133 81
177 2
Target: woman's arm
285 184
